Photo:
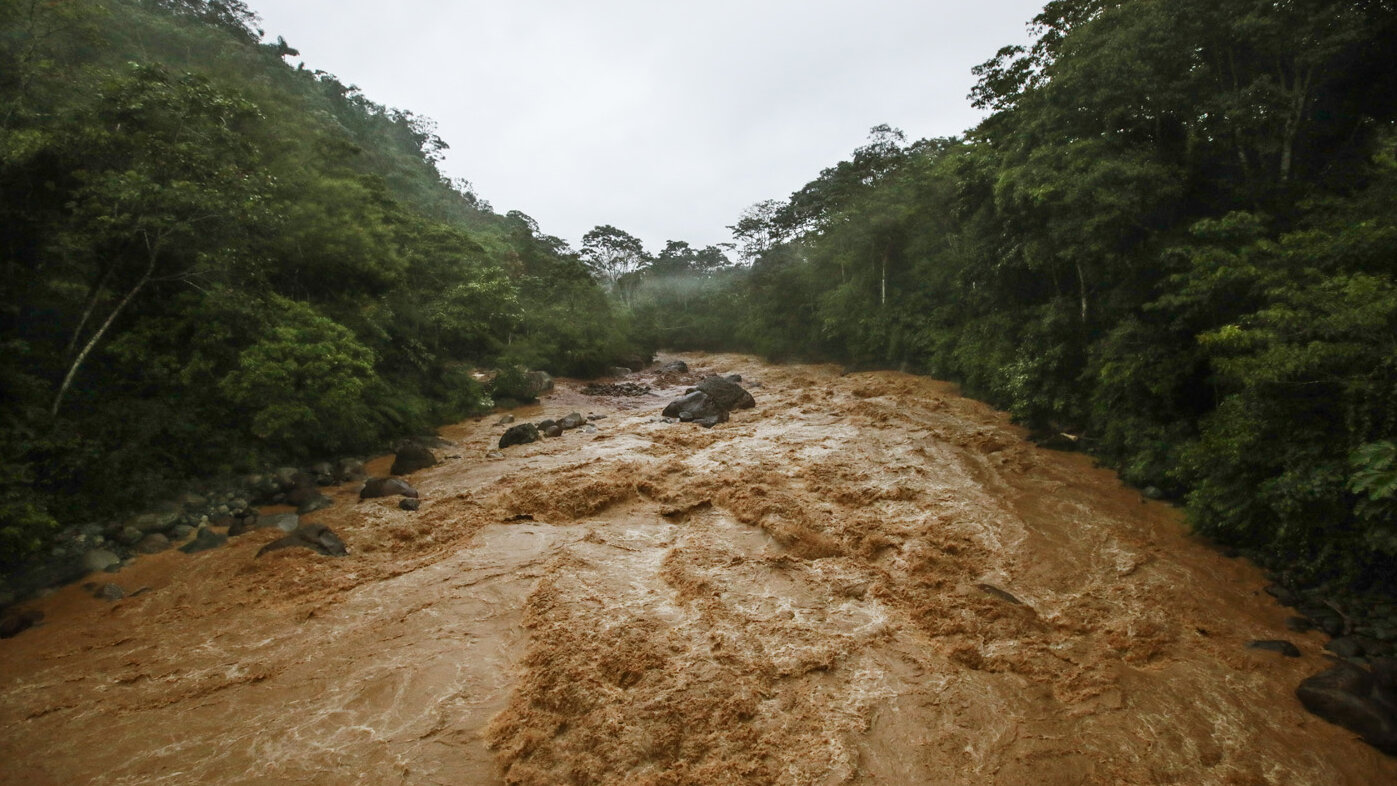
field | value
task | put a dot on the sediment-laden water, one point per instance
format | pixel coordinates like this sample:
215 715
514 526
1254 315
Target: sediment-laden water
865 580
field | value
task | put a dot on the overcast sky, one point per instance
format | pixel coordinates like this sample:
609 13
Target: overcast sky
664 119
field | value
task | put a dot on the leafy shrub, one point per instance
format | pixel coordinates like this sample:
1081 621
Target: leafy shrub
304 384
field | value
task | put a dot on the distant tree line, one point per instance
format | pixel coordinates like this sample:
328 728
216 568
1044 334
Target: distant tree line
1174 237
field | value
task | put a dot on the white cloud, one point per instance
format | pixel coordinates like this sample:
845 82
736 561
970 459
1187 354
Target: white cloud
664 119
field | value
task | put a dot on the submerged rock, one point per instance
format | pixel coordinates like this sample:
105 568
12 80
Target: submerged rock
316 537
109 591
1276 645
386 487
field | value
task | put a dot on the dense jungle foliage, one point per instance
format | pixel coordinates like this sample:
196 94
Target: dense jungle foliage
1173 238
214 260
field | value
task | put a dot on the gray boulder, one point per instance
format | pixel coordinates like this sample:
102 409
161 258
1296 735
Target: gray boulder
99 560
244 523
520 434
205 540
323 472
539 382
386 487
411 458
571 420
286 478
109 591
349 469
675 367
314 503
316 537
726 394
160 518
153 543
1361 701
286 522
696 407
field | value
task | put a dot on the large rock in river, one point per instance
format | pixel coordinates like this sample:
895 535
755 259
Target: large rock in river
316 537
1361 701
386 487
696 407
410 458
727 394
521 434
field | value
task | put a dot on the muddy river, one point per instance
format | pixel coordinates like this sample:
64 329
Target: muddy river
865 580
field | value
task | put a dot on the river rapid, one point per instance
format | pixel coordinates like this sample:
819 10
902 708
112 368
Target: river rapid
865 580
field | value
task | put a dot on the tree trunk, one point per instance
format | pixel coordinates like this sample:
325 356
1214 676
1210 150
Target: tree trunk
883 282
92 299
1082 290
96 337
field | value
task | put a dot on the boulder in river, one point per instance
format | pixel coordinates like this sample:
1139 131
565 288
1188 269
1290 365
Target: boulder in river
571 420
1361 701
205 540
410 458
696 407
348 469
727 394
316 537
675 367
386 487
521 434
314 503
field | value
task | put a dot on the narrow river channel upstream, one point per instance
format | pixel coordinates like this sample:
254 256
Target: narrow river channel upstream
866 579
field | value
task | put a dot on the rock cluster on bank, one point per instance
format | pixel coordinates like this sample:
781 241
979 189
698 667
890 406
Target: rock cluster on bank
1359 691
207 519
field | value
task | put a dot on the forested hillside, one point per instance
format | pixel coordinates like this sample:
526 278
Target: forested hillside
1172 243
1174 239
214 260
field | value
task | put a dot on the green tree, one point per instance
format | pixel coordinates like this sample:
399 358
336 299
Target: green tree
170 187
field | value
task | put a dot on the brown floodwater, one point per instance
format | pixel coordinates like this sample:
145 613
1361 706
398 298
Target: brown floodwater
865 580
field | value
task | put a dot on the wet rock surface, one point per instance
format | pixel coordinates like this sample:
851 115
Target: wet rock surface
386 487
316 537
521 434
411 458
696 407
1362 701
797 597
